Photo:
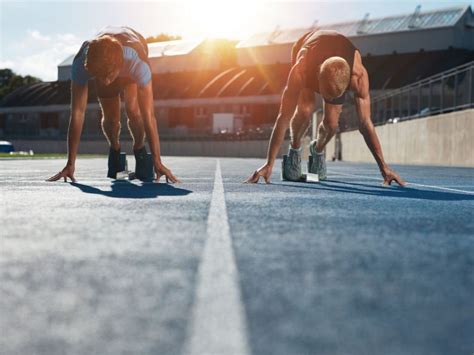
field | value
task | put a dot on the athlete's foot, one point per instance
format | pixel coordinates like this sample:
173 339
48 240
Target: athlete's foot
143 165
113 163
317 161
291 166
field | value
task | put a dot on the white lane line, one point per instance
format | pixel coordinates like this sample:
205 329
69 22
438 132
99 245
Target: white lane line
218 323
443 188
408 183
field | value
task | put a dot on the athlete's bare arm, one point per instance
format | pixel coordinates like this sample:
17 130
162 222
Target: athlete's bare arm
288 104
360 87
145 102
76 121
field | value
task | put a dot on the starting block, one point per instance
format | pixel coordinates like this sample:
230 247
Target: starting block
309 177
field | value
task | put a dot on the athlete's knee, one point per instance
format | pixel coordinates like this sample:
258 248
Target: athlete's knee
306 110
133 115
112 121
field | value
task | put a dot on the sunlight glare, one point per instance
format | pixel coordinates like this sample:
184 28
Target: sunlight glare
224 19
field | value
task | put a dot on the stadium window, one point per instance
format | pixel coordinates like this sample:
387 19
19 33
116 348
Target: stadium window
49 120
23 118
200 111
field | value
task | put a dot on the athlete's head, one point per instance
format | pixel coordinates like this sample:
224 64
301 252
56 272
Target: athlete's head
104 59
334 76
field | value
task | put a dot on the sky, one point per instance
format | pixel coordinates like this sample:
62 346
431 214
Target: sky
35 36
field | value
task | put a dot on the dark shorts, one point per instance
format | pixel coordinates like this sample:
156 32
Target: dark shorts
113 89
337 101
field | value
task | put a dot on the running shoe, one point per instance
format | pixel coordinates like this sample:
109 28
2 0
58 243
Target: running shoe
114 163
291 165
143 165
317 161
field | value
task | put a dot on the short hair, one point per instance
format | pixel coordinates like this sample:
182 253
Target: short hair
104 56
334 77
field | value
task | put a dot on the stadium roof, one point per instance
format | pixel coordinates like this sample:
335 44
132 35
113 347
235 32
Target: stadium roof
172 48
417 20
157 49
67 62
386 72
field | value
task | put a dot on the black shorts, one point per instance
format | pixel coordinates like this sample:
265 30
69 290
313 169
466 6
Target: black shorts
337 101
113 89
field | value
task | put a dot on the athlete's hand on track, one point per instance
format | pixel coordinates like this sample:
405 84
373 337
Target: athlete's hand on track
163 170
264 171
67 172
389 175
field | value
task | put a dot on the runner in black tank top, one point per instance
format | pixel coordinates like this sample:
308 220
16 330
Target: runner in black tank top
328 63
322 45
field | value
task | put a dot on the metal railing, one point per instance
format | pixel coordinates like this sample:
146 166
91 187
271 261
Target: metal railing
448 91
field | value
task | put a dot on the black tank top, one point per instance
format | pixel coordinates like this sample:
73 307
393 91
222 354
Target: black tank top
322 45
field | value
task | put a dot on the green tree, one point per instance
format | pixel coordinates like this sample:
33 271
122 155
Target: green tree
9 81
162 37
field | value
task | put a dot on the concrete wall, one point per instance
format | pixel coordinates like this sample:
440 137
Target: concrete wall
446 140
243 149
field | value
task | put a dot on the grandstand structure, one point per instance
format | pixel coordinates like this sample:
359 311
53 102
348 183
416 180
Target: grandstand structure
194 80
168 57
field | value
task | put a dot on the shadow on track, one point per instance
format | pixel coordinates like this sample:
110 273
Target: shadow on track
389 191
125 189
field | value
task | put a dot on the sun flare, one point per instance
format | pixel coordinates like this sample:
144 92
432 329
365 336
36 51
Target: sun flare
224 19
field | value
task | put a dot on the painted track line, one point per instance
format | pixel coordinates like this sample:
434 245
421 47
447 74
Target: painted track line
409 183
218 324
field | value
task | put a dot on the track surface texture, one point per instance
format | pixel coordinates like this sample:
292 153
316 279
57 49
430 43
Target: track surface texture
345 266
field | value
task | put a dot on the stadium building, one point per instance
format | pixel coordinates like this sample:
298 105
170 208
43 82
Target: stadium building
208 90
